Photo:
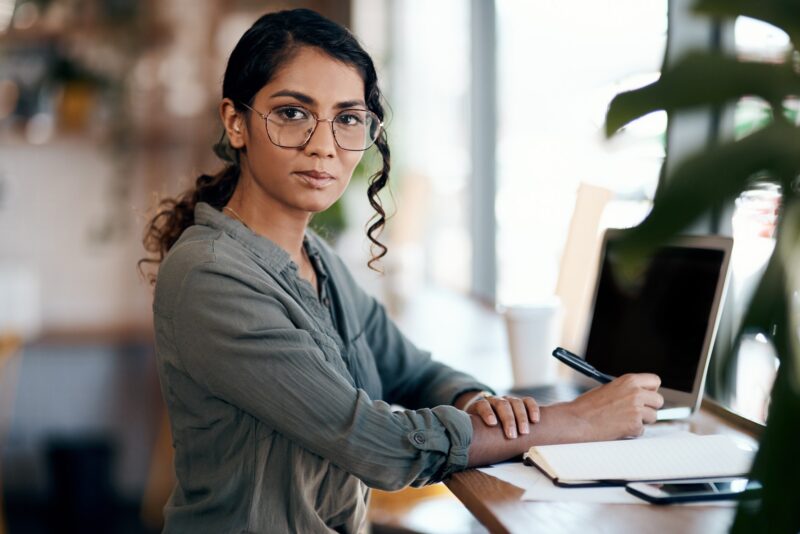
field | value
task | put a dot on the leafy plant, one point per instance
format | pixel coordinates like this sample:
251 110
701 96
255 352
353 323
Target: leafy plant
717 175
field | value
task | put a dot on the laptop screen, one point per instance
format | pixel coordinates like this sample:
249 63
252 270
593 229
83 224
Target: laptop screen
660 326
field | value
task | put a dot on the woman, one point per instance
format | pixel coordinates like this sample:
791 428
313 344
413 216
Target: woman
277 370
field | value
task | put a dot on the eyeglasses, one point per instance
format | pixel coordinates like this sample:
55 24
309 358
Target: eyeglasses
293 126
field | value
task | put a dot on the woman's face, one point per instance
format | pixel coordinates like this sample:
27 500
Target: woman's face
310 178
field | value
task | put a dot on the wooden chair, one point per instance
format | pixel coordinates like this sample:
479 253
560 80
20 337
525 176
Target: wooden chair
160 477
574 286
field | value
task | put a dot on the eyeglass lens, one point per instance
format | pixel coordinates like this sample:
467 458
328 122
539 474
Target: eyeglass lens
292 126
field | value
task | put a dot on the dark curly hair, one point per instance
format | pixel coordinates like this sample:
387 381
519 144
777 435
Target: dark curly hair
257 57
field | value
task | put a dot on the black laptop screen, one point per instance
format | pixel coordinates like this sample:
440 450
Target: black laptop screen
660 326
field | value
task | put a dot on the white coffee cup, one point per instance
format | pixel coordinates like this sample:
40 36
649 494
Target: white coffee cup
533 332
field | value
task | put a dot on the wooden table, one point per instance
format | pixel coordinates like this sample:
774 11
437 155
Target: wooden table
497 505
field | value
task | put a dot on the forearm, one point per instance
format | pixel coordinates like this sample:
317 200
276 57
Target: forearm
558 424
616 410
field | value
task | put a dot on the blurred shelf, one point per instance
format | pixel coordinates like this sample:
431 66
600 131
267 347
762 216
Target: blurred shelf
100 334
33 35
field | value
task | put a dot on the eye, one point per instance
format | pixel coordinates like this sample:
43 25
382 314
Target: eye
350 118
292 113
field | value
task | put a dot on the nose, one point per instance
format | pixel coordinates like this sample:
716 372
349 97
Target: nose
321 143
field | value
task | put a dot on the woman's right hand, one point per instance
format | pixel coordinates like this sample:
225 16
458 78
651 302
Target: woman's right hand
619 409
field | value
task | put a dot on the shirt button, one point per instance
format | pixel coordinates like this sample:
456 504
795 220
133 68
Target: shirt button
419 438
326 301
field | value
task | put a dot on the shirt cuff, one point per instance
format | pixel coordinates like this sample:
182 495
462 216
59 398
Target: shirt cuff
454 442
459 427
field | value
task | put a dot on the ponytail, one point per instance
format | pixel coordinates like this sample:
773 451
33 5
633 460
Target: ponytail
174 215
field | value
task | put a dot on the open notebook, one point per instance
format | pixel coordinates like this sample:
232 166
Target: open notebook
618 462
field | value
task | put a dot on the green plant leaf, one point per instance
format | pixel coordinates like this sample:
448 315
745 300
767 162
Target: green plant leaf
701 79
710 177
781 13
718 174
774 467
788 250
771 306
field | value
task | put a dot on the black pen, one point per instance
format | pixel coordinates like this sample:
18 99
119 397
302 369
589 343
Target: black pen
580 365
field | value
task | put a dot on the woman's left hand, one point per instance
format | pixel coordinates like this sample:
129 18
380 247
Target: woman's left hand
514 413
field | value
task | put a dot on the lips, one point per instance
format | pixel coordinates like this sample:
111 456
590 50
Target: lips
316 179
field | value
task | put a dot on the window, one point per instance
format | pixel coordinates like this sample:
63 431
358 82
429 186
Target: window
557 73
429 133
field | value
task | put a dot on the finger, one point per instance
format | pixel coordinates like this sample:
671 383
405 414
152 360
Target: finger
486 412
648 415
533 409
648 381
652 399
506 415
637 430
520 414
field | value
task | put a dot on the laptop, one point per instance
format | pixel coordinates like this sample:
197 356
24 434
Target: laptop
665 325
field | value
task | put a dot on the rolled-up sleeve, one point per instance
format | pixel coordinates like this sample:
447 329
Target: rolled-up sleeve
409 376
237 342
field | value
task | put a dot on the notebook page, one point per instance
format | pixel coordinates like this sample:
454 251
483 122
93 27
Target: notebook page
647 459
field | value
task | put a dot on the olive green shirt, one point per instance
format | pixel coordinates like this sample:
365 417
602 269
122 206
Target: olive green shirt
279 397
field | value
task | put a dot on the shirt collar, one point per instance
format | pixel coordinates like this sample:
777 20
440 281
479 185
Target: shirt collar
266 250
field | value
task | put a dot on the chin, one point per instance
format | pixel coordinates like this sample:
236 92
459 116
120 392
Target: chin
317 207
316 204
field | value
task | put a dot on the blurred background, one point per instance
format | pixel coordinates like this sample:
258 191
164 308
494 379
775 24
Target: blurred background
501 182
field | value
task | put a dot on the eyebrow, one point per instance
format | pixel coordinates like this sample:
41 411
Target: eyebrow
305 99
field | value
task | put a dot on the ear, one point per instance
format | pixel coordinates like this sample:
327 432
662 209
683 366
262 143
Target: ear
234 122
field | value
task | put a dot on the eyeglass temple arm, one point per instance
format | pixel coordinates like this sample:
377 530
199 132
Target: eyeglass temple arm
254 111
